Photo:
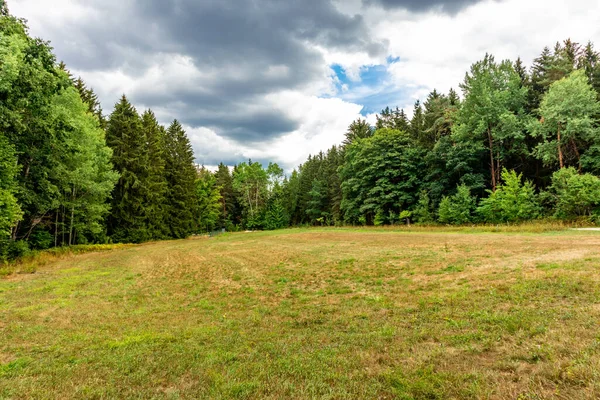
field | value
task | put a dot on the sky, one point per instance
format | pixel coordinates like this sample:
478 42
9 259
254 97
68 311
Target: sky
277 80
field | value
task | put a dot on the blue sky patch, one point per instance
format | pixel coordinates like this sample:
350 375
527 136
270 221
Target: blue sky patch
373 90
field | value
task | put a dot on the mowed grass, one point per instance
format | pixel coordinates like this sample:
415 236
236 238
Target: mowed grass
320 313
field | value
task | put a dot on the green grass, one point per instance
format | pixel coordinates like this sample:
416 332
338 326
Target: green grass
311 313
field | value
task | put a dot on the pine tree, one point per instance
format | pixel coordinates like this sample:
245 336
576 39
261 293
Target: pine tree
181 177
128 221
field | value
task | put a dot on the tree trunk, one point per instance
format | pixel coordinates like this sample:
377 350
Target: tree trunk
492 166
560 154
15 231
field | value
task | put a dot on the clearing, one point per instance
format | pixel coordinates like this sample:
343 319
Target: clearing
311 313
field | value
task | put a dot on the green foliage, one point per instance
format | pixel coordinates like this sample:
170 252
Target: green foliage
276 216
41 239
358 129
125 135
157 208
513 201
229 207
457 209
392 119
64 175
405 216
567 123
181 175
209 200
380 175
29 84
316 207
87 177
10 212
250 182
574 195
11 250
492 119
422 212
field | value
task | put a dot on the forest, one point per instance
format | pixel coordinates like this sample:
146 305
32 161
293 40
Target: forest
516 144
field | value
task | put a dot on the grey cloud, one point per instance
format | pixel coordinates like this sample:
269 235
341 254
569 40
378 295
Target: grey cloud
246 37
445 6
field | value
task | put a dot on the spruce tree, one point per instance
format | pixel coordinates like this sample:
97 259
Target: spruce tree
181 175
156 203
128 221
539 79
590 63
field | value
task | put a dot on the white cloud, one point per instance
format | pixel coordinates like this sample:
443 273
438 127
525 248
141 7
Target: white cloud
324 123
436 50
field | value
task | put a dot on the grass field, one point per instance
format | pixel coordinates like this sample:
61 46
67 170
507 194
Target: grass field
321 313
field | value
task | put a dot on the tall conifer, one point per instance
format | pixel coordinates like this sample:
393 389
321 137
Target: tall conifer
181 179
125 135
156 203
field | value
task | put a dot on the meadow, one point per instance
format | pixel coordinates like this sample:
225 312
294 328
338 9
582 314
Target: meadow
310 313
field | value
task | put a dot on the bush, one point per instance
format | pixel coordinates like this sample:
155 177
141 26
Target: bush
422 213
41 240
513 201
16 250
276 217
380 218
457 209
574 195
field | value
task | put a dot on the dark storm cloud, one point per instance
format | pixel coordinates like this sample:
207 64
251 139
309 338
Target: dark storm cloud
445 6
243 39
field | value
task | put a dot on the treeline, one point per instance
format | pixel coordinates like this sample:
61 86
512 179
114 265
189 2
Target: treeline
520 145
69 175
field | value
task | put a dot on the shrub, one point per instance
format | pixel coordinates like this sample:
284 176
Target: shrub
15 250
276 217
512 201
574 195
457 209
422 213
41 240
